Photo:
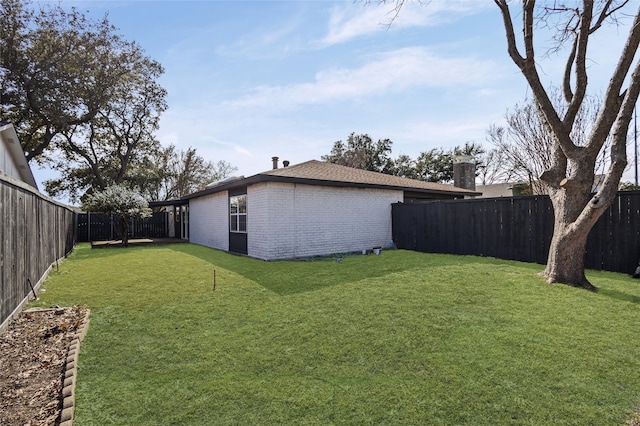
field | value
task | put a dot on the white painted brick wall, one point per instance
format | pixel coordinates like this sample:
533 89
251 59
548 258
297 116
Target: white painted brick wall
209 221
293 220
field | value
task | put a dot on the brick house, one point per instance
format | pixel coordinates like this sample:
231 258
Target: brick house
309 209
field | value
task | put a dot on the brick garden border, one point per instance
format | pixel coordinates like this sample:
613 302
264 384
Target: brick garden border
70 374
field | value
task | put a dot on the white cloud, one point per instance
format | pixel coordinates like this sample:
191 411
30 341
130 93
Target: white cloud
394 71
262 42
352 21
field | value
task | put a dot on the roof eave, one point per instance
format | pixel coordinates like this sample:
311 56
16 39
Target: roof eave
265 177
8 134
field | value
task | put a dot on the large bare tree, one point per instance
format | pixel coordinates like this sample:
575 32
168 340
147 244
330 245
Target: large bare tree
571 172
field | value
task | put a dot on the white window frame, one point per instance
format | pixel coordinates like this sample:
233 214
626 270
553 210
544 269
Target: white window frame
237 209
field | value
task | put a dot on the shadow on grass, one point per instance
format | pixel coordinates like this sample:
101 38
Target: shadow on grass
619 295
297 276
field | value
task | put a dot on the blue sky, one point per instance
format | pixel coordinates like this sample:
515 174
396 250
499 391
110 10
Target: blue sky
248 80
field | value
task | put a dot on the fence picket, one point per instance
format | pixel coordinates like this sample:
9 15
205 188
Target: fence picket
99 227
517 228
35 233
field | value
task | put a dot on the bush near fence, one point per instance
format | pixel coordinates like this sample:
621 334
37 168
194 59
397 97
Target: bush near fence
36 233
516 228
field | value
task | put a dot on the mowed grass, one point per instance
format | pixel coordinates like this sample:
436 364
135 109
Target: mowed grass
400 338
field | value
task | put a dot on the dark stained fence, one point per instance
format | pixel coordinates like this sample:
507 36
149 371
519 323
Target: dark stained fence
100 227
516 228
35 233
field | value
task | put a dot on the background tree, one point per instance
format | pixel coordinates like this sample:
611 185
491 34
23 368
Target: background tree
526 146
436 165
170 174
121 201
629 186
360 152
404 166
493 168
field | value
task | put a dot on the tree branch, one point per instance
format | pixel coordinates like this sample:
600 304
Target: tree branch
613 97
580 48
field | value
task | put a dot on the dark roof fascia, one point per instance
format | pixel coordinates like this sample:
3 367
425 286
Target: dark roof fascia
324 182
222 187
176 202
259 178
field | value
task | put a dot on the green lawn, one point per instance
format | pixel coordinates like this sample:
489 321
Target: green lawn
401 338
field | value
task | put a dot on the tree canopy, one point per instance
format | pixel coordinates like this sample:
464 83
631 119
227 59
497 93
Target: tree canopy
169 173
434 165
360 152
83 100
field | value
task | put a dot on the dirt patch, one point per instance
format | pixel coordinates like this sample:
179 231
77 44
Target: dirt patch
33 355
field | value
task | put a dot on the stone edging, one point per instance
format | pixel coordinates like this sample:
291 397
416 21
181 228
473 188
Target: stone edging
70 373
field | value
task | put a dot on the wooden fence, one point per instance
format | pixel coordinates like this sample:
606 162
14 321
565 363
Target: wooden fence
100 227
35 233
516 228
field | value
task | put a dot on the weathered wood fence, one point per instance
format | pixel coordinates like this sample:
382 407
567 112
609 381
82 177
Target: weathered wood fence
35 233
516 228
101 227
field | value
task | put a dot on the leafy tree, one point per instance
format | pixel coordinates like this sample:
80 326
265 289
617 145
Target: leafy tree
360 152
57 70
405 166
103 151
629 186
82 99
170 174
122 202
436 165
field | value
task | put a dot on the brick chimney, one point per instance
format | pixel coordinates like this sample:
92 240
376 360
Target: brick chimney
275 162
464 172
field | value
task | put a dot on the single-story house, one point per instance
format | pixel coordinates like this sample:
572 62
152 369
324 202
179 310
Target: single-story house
309 209
12 160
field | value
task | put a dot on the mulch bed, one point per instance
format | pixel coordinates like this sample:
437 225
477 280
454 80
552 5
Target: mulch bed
33 355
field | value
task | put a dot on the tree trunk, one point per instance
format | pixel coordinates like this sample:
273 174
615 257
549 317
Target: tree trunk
574 215
123 228
565 263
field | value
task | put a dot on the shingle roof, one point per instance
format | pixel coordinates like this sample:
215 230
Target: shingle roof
329 172
316 172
